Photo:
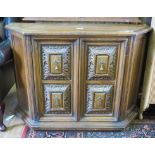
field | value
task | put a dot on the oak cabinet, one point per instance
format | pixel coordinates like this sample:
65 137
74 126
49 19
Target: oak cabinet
78 75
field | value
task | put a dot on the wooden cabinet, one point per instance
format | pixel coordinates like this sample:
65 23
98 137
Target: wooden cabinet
78 75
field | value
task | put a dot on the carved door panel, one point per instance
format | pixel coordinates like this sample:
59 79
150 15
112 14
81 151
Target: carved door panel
102 66
56 61
55 72
101 62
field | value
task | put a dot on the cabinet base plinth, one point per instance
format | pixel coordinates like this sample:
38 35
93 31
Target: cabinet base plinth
95 126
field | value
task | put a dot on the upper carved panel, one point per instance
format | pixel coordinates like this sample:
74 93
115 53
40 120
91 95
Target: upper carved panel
56 62
101 62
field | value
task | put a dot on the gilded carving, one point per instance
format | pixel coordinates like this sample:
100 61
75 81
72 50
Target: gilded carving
101 62
57 98
56 62
99 99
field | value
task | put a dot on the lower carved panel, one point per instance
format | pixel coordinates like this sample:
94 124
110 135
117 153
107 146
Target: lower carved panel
99 99
57 99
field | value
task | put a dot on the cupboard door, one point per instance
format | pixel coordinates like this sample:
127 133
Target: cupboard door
55 69
101 74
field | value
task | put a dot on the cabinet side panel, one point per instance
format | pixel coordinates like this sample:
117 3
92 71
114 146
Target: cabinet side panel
134 81
20 72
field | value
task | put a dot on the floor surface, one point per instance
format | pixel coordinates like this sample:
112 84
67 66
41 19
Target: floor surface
14 124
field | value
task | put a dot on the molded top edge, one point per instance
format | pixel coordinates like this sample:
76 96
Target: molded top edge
77 28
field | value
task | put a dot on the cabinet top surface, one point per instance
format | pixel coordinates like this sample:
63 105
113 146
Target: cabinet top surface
77 28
